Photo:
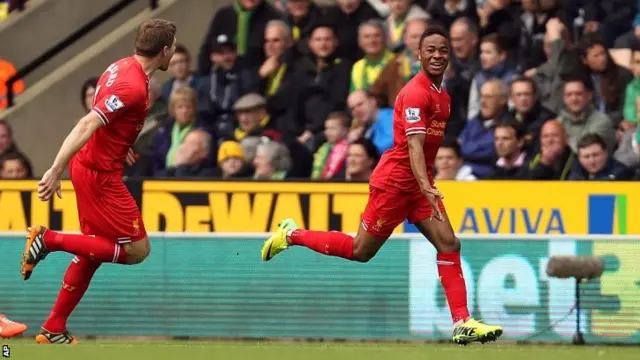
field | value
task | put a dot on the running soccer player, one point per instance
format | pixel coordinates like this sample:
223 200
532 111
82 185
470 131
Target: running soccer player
112 228
402 187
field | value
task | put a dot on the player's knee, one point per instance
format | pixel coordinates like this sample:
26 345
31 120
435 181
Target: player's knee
450 244
137 252
361 252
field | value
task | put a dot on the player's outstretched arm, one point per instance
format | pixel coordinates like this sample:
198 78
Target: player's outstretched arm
415 143
79 136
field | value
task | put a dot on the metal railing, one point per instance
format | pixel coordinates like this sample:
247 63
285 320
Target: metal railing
66 42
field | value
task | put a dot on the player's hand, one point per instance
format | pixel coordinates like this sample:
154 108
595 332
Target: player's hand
49 184
434 195
131 157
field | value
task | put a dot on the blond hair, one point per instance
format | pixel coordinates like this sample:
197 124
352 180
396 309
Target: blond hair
185 93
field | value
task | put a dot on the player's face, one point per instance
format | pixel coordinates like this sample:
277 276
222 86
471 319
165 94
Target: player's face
434 54
167 54
592 158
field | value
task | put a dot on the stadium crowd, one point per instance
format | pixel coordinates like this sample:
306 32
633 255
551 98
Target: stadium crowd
541 90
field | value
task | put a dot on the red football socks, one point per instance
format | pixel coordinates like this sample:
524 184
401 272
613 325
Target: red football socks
75 284
332 243
452 281
94 248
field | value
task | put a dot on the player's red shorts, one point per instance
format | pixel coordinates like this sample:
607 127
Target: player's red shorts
105 206
387 209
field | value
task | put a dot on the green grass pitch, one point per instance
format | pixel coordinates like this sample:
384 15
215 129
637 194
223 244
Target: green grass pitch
160 350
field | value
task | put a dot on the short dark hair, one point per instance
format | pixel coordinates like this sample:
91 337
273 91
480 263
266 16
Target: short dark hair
495 40
528 80
181 49
17 156
433 30
587 42
580 78
591 139
452 143
91 82
371 149
512 124
153 35
341 116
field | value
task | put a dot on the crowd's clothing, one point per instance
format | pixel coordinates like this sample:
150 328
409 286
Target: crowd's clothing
380 131
559 170
364 72
613 170
477 146
532 123
632 94
628 151
346 27
173 84
549 76
393 78
504 71
590 121
444 16
395 27
329 160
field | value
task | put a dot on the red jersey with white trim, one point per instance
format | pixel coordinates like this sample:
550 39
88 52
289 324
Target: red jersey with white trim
421 108
122 103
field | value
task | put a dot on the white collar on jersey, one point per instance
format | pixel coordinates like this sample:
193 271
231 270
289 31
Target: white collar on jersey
438 89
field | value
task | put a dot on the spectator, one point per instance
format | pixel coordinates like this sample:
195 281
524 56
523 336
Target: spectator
509 140
362 158
346 18
401 11
330 158
494 65
449 164
321 85
555 158
181 75
533 24
401 68
376 55
476 140
632 93
609 78
14 166
228 81
628 151
242 23
610 18
272 161
231 161
277 72
631 39
580 117
190 158
499 18
594 162
182 109
446 12
89 92
7 70
527 109
8 146
252 115
301 17
370 122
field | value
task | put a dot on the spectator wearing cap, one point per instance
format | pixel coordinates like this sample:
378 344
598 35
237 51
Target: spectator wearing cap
371 40
277 71
445 12
252 115
231 161
183 105
580 117
272 161
225 84
369 121
301 16
15 166
8 146
346 17
555 158
509 141
595 163
494 65
609 79
243 22
449 164
527 109
191 157
400 12
321 84
181 74
402 67
362 158
330 158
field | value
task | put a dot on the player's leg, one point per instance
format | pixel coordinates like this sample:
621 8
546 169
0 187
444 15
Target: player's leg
10 328
441 235
382 214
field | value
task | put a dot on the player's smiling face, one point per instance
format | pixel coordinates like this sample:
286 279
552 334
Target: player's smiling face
434 54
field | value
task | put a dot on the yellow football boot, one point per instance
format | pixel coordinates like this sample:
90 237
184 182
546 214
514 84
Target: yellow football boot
474 330
278 241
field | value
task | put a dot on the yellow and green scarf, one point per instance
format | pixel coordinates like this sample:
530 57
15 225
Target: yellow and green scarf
177 136
242 28
409 69
364 72
276 80
241 134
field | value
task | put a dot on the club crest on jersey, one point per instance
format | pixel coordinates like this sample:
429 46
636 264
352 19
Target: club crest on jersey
113 103
412 115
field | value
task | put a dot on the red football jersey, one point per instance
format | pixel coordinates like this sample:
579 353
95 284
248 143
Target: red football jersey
122 103
421 108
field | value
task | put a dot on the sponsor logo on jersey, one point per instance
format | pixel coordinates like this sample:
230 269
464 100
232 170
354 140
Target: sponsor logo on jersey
113 103
412 115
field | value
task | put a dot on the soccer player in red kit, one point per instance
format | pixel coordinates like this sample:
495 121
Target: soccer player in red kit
96 150
401 187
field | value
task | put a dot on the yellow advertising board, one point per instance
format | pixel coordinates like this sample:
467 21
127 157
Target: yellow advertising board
473 207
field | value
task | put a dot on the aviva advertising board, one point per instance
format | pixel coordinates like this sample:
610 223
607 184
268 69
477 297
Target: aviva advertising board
473 207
